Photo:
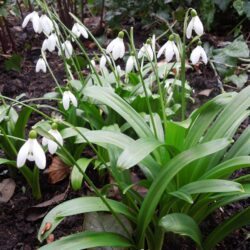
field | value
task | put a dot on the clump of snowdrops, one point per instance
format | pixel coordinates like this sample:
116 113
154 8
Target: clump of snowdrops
186 164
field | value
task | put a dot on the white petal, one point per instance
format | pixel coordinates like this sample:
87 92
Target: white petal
52 42
153 42
103 61
46 24
162 49
169 52
27 19
82 31
40 65
39 155
141 52
45 45
68 49
176 51
57 136
149 52
122 48
23 154
75 30
198 26
36 23
129 64
44 141
110 46
52 146
203 55
66 100
73 99
190 28
195 55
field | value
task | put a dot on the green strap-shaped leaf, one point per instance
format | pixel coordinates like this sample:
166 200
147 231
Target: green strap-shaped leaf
166 175
137 151
237 221
7 162
181 224
208 186
86 240
79 206
76 176
114 101
227 167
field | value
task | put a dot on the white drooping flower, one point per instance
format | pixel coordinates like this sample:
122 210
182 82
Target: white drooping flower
67 98
32 151
41 65
47 24
35 19
170 50
131 63
50 43
119 70
116 47
53 145
67 48
93 63
79 30
146 50
194 24
103 61
197 54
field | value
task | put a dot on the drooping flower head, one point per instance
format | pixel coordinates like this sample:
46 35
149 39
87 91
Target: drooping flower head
67 48
52 145
198 54
79 30
146 51
32 151
41 65
131 63
67 98
194 24
116 47
50 43
35 19
169 49
46 24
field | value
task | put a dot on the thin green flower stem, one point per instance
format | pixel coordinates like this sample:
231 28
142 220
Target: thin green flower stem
183 68
90 183
170 28
79 45
131 38
51 72
155 69
96 42
36 190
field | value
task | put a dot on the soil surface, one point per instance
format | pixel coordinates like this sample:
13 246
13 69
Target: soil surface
19 222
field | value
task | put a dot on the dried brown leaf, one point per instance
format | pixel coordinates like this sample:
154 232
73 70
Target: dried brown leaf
206 92
7 188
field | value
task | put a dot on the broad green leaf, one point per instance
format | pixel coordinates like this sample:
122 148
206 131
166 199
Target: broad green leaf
79 206
169 171
226 168
13 63
239 80
109 98
76 176
238 48
136 152
181 224
7 162
86 240
209 186
237 221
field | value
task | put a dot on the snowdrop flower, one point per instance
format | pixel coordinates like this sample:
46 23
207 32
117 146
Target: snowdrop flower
32 151
117 47
153 42
197 54
170 49
41 65
119 70
67 98
131 63
47 24
34 18
52 145
67 48
194 24
79 30
147 51
103 61
50 43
